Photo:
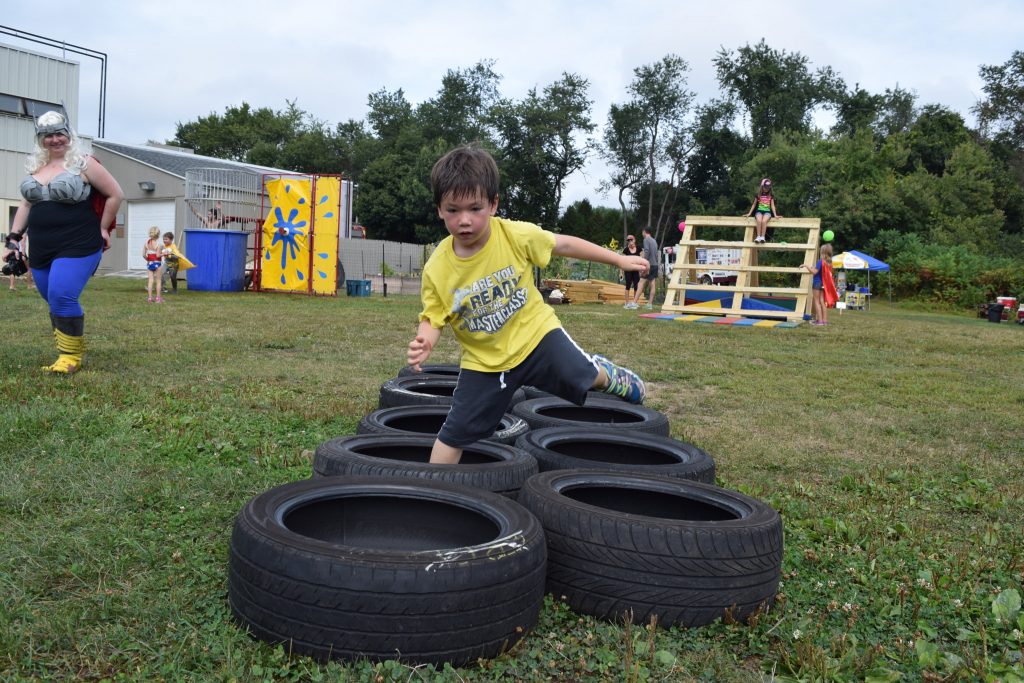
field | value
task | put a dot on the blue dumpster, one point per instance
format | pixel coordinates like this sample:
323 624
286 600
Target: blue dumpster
219 256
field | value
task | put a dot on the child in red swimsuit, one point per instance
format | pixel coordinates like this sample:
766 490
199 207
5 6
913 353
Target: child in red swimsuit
151 252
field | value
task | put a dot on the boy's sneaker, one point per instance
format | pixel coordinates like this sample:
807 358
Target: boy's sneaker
622 382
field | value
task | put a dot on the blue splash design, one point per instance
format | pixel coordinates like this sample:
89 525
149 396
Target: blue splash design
322 274
323 199
323 254
329 214
300 275
289 247
302 200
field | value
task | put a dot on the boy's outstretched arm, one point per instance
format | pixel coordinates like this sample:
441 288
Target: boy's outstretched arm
420 347
574 247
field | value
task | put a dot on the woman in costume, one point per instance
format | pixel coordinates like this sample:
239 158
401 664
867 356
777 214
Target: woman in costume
68 234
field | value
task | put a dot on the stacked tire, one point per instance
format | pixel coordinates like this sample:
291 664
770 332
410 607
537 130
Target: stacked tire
382 554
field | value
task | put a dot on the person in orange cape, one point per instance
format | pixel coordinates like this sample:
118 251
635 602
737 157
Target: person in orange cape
822 285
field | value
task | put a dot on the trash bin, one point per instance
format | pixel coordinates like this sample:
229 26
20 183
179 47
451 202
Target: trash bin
357 287
219 256
995 313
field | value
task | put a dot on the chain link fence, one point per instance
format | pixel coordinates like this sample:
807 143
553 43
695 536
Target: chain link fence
390 267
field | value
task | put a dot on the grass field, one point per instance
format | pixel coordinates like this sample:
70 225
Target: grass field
890 441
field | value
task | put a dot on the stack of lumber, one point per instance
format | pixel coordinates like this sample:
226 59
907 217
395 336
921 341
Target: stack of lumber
589 291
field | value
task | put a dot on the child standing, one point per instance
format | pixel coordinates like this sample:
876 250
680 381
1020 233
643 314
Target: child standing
479 281
21 251
763 209
822 270
151 252
174 261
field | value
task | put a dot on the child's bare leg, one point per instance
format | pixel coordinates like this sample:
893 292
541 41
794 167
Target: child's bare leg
443 454
823 307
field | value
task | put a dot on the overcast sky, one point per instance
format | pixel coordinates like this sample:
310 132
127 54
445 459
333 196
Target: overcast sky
171 62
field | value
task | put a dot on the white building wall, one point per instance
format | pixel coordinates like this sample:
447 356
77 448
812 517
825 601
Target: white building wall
41 77
24 73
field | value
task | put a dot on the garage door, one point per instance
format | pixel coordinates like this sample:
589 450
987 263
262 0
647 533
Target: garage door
141 217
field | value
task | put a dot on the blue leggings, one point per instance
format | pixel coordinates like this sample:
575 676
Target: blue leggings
62 282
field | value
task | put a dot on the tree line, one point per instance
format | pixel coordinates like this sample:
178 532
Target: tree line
891 175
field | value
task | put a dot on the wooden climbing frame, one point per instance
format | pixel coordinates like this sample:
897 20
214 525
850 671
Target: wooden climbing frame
684 273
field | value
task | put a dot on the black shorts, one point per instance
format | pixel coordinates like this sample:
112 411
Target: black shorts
558 366
652 274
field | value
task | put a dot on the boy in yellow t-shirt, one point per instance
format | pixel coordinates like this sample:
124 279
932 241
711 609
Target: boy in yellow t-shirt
479 281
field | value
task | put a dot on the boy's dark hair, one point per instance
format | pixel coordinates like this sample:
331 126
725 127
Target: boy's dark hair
464 172
169 234
647 230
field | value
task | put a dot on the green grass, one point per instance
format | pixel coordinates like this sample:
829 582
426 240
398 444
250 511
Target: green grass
891 442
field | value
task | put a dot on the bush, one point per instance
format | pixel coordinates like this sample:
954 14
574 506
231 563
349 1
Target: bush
951 275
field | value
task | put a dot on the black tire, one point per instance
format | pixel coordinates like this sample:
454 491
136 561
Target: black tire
595 413
444 370
410 420
572 448
386 568
425 390
534 392
705 280
484 465
685 552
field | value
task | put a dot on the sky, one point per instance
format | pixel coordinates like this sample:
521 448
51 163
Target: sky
171 62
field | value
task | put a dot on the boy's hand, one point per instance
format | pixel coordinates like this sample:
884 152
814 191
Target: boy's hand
419 352
635 263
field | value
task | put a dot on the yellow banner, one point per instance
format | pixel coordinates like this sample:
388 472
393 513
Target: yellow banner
287 235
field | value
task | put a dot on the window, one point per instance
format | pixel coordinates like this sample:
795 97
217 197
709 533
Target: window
9 104
23 106
36 108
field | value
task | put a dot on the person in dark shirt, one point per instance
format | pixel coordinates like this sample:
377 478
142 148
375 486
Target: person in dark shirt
68 235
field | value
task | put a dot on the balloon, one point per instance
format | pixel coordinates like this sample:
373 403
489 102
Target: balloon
682 226
828 235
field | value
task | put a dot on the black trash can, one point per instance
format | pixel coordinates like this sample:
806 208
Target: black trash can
995 313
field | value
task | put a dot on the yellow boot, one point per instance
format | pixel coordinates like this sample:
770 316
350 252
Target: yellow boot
71 350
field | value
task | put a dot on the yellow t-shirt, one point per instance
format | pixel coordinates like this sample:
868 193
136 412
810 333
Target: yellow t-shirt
489 299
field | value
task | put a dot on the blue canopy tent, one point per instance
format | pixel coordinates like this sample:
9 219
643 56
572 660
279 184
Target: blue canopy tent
855 260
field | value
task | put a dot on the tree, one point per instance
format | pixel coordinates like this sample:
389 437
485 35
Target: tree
646 134
934 136
390 114
459 113
856 110
539 147
1001 113
777 89
233 134
717 151
624 149
897 113
596 224
659 90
